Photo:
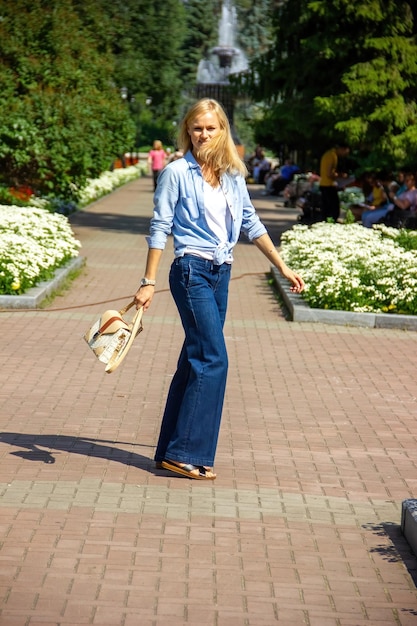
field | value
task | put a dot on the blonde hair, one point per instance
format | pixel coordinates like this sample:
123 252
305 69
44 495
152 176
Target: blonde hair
221 154
157 145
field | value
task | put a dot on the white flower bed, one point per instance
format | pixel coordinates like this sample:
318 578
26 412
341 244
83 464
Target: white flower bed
107 182
33 243
352 268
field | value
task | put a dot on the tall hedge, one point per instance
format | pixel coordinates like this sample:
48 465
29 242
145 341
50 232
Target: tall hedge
61 116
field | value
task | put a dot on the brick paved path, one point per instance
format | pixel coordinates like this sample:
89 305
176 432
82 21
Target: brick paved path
317 451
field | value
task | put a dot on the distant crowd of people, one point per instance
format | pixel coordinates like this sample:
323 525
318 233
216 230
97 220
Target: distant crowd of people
388 198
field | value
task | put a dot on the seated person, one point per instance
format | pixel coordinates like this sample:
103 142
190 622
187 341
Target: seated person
253 161
260 169
376 202
270 176
403 203
286 174
394 188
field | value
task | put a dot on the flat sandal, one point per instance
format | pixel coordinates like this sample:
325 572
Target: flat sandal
187 470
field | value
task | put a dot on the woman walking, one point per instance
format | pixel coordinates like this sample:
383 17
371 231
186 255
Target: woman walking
203 201
156 161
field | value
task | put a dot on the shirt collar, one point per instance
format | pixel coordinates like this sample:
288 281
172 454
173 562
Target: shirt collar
189 157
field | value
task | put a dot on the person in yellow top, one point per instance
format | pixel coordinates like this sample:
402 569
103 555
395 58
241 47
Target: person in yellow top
375 199
330 204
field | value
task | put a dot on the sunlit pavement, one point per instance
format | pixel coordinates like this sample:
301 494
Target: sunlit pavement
316 453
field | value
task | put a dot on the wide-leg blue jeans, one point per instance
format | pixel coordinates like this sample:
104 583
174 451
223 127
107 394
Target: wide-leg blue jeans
191 420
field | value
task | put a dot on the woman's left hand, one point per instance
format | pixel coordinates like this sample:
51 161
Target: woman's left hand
297 283
265 245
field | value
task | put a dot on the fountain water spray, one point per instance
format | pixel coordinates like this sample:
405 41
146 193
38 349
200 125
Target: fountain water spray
224 60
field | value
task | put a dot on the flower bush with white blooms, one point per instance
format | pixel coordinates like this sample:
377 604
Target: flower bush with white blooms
34 242
96 188
351 268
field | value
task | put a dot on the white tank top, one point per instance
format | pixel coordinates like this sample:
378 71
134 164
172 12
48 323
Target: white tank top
218 218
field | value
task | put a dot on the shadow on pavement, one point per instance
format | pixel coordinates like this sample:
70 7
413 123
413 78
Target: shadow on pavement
276 218
398 552
32 451
111 221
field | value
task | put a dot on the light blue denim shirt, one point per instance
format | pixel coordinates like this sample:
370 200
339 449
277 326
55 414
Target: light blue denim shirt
179 209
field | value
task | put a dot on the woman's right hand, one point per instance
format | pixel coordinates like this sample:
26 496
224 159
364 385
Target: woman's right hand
143 296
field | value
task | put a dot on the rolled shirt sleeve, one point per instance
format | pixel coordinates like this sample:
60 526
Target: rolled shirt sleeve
165 202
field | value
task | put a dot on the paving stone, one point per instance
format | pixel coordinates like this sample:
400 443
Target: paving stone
316 457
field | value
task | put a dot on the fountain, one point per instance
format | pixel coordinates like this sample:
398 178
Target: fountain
224 60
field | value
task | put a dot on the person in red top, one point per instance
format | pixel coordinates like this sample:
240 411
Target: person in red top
156 160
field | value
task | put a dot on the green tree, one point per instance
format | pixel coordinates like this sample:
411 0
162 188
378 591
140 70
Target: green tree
61 117
283 81
202 18
146 40
340 70
255 27
375 108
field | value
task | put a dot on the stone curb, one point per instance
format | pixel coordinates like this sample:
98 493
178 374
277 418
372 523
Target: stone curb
409 522
300 311
33 297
